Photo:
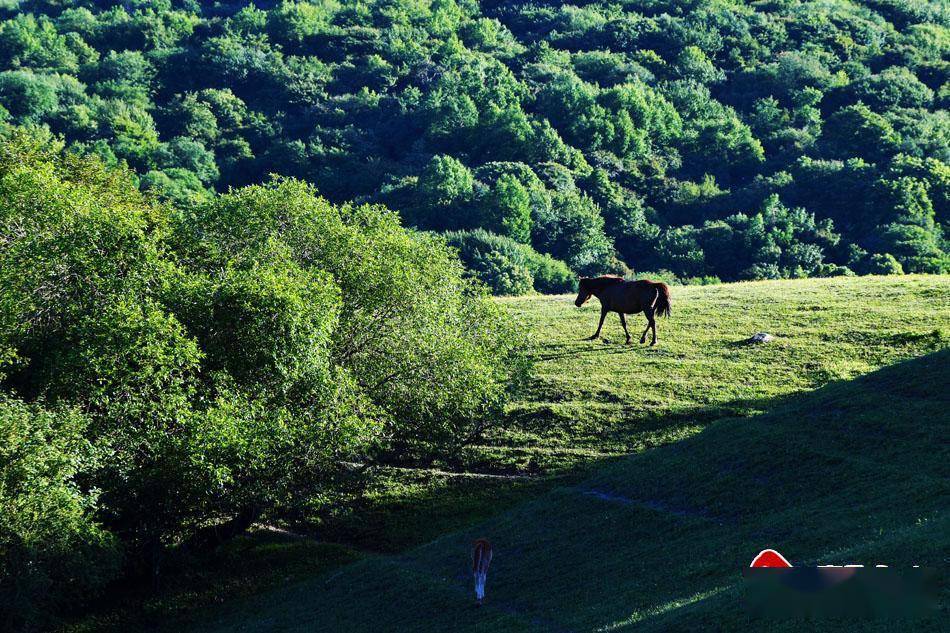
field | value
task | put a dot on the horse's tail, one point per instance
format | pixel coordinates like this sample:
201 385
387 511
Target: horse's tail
662 306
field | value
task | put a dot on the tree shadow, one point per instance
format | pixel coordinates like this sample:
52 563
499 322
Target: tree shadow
842 474
853 471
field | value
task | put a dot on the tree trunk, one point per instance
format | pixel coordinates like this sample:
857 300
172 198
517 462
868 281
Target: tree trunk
209 538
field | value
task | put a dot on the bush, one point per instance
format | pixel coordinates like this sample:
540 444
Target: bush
432 356
551 275
917 249
80 262
508 267
670 279
665 276
833 270
573 230
706 280
505 275
883 264
52 552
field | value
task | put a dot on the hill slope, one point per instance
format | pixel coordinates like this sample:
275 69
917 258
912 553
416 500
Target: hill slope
592 402
858 471
600 399
855 471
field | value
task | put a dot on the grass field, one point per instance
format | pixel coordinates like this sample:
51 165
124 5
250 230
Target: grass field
605 398
592 402
630 485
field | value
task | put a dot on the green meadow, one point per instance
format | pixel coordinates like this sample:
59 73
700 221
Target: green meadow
630 485
589 403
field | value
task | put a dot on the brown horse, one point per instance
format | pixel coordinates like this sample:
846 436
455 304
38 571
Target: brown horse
618 295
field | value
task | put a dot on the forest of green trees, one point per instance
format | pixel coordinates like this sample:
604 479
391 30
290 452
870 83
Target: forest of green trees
706 138
168 378
240 244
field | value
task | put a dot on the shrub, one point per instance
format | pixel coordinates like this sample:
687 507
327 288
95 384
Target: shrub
669 278
573 230
917 249
551 275
52 552
508 267
505 274
705 280
432 356
883 264
833 270
80 260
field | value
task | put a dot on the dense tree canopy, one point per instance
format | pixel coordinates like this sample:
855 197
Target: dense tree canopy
169 377
596 132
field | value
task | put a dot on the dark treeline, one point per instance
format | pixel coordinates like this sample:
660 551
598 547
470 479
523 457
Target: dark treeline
708 138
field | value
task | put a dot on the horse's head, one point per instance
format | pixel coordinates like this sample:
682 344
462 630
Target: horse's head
583 292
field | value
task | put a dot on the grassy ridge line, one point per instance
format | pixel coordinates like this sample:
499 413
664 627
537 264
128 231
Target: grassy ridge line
573 562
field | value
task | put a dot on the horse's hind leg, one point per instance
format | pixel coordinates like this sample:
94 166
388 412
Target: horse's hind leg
623 322
650 323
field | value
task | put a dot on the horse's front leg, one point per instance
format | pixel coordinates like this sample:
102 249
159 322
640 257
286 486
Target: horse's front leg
603 315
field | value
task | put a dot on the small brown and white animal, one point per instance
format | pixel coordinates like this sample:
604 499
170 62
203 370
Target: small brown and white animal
616 294
481 558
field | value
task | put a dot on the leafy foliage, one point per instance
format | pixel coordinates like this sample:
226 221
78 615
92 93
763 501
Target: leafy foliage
227 362
594 133
52 552
509 267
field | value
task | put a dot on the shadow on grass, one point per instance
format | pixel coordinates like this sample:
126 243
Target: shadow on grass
406 510
853 472
851 463
581 348
248 565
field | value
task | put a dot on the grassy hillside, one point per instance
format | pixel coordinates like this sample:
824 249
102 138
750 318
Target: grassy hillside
606 398
857 468
591 402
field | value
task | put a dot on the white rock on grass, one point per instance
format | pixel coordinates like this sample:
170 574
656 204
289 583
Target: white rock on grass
761 337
